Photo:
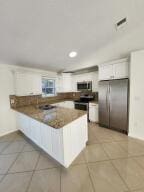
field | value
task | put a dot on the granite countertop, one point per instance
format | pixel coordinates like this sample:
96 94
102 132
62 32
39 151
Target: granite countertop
57 117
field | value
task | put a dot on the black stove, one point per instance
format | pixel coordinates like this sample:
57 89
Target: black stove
83 102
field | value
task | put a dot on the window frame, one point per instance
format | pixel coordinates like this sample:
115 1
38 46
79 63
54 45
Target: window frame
54 87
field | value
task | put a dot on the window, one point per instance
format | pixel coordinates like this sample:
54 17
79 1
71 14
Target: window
48 87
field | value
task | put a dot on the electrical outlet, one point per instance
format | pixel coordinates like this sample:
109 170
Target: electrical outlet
12 101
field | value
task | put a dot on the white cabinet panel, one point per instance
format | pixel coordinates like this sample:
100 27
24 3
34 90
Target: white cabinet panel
28 84
93 112
65 82
35 131
36 84
105 72
57 144
116 70
75 136
46 139
120 70
23 124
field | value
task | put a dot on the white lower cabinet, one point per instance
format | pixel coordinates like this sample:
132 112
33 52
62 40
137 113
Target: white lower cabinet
35 131
23 124
93 112
62 144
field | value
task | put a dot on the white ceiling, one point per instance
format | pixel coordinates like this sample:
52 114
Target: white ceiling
41 33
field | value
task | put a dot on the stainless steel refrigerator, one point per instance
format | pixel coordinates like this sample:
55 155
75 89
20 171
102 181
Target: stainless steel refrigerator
113 104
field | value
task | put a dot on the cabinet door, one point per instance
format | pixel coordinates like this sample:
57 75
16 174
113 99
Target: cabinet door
106 72
36 84
66 82
120 70
46 138
22 84
23 124
93 112
35 133
28 84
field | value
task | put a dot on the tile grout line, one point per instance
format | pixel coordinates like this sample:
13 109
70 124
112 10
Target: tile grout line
33 173
86 163
60 179
18 154
119 175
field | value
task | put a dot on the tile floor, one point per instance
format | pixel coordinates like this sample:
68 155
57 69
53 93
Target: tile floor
111 162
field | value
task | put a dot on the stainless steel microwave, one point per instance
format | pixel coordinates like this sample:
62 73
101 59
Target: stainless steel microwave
84 86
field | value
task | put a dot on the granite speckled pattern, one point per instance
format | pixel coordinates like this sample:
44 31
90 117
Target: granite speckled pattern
57 117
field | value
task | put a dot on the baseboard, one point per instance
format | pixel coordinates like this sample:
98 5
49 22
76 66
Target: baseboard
6 133
136 136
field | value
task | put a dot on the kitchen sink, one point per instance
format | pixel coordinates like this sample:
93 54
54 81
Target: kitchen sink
46 107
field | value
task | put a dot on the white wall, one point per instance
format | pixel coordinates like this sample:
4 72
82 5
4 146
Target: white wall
7 116
91 76
136 119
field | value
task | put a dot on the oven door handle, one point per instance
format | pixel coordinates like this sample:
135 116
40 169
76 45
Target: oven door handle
81 103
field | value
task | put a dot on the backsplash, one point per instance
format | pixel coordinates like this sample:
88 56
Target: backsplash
19 101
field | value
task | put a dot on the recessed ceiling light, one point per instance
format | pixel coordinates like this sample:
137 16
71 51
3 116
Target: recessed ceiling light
73 54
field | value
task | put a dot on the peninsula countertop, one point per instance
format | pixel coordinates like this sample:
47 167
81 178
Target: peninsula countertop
57 117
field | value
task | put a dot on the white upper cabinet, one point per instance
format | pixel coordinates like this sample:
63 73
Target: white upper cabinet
116 70
65 82
105 72
120 70
27 84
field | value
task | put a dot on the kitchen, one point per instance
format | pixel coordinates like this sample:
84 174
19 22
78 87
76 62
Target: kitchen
71 101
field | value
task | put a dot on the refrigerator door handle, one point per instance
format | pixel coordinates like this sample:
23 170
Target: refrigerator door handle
109 97
107 105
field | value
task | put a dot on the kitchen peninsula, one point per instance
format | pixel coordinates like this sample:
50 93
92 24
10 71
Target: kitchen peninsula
59 131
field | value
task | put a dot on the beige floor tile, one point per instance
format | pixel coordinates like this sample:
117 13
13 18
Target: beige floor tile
7 138
104 137
1 177
30 147
45 162
131 172
45 181
3 145
105 178
19 136
15 182
6 161
92 137
95 153
80 159
76 179
140 161
132 148
114 150
14 147
119 136
25 162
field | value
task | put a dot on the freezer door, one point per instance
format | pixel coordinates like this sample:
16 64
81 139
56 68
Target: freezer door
104 103
119 104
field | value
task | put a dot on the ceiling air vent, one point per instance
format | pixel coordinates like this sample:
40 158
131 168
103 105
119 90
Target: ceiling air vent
121 23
